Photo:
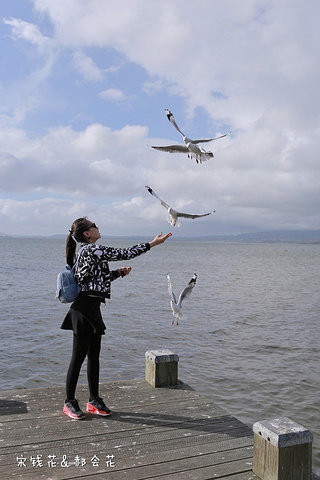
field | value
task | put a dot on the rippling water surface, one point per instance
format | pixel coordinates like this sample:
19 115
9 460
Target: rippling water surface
250 339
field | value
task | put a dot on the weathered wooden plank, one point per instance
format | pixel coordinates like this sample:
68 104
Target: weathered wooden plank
133 447
37 403
242 476
191 470
139 437
167 430
209 473
228 429
139 452
141 467
78 434
182 411
163 414
186 409
130 389
141 416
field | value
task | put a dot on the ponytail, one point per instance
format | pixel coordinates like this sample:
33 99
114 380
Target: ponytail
70 250
76 235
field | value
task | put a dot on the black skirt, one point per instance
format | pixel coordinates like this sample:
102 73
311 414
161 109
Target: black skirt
84 316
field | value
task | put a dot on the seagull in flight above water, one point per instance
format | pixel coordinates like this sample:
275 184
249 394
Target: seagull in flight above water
176 306
173 214
190 147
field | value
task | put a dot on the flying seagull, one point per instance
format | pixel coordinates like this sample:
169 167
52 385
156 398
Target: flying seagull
190 147
176 306
173 214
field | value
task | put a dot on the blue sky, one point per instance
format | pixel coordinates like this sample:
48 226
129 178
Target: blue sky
84 85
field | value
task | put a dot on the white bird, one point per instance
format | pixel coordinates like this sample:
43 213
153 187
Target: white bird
191 147
176 306
173 214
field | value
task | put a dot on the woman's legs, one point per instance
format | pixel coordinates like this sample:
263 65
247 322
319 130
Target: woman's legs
84 345
79 352
93 366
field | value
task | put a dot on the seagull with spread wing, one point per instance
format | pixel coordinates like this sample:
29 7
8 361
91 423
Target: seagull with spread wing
190 147
176 306
173 214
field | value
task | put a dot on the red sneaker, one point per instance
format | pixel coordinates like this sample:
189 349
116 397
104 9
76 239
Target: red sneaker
98 407
72 409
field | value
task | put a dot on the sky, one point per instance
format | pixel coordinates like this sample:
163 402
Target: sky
83 90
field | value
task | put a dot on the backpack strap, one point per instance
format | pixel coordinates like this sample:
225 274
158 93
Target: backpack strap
77 259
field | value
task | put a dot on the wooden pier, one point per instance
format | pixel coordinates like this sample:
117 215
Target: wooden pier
170 433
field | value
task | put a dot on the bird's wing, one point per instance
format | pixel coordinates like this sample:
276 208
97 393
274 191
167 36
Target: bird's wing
170 289
155 195
173 148
193 215
202 140
172 120
188 289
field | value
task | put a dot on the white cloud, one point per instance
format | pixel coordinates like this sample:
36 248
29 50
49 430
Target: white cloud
45 216
255 54
28 32
92 168
86 67
249 65
94 162
113 94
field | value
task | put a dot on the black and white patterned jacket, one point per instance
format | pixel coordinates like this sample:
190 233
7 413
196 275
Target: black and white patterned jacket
92 269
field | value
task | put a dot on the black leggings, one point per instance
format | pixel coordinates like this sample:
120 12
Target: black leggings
84 345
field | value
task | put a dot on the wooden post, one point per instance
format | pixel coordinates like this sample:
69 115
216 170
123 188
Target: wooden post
161 368
282 450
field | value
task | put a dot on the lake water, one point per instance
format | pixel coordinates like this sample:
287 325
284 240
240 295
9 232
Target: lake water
250 340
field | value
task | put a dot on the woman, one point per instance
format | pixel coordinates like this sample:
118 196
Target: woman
84 317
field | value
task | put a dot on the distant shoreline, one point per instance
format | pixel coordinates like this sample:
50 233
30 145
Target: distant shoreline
276 236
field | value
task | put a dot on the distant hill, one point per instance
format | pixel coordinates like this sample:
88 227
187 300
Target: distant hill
274 236
296 236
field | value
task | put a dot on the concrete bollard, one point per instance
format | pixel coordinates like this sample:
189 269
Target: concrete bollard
161 368
282 450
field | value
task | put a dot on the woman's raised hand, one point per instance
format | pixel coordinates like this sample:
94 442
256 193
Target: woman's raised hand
159 239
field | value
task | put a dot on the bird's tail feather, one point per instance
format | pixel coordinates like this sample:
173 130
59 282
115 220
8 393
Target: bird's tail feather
173 222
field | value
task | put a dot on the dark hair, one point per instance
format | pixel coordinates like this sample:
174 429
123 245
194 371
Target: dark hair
76 231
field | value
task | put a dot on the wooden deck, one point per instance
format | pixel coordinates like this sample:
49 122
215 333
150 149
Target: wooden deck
154 433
